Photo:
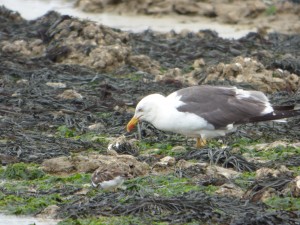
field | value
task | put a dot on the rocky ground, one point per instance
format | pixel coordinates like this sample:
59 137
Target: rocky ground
68 88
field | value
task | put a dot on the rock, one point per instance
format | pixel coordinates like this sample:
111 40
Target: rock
183 164
198 63
254 8
267 172
16 94
182 7
8 159
23 82
96 127
191 169
94 5
144 63
160 7
229 13
56 84
265 195
35 47
72 41
87 163
84 191
220 171
206 9
70 95
129 163
203 171
235 13
111 152
275 144
230 189
91 161
49 212
277 16
247 70
108 58
11 15
16 46
58 165
293 188
167 161
176 76
260 193
123 146
178 149
164 166
264 172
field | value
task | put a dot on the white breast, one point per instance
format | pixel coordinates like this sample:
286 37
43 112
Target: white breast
170 119
112 184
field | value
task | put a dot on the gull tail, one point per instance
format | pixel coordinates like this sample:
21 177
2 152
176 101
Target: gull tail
279 113
284 107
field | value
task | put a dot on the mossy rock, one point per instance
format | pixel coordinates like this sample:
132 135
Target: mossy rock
23 171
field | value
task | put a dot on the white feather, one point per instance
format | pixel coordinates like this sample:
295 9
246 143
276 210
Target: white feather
112 184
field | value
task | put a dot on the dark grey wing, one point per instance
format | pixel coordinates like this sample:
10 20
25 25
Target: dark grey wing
220 106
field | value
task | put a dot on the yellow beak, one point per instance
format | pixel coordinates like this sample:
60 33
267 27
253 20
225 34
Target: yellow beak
132 123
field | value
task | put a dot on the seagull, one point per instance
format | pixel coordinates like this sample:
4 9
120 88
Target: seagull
205 111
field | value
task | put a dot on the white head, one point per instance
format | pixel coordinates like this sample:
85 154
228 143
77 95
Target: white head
146 110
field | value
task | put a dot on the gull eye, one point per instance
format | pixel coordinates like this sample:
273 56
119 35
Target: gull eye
140 110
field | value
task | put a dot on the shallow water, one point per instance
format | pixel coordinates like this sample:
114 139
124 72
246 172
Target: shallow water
31 9
24 220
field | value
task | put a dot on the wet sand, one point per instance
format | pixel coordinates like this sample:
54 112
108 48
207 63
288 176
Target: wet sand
24 220
31 9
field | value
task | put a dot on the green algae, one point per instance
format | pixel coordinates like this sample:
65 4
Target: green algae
103 115
66 132
279 153
245 179
271 10
22 178
167 185
283 203
22 171
121 220
163 149
28 205
28 190
295 169
275 154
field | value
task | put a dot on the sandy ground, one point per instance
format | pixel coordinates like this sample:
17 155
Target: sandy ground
230 19
20 220
265 16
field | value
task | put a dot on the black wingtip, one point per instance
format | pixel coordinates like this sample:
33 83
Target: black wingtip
283 107
276 115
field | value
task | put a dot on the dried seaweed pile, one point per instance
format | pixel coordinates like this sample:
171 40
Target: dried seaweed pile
179 51
222 157
180 209
32 112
